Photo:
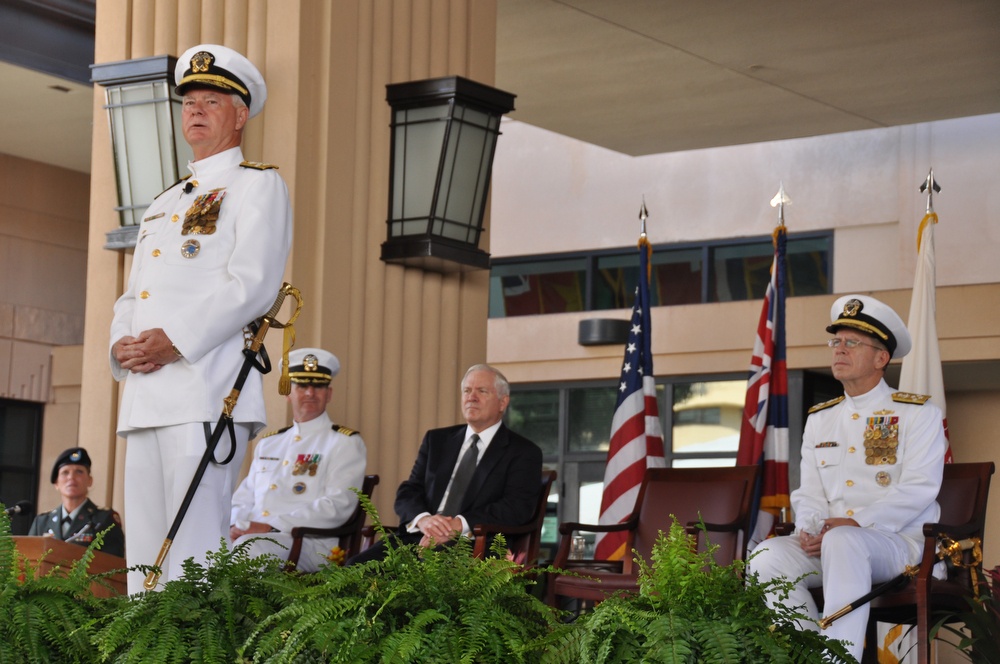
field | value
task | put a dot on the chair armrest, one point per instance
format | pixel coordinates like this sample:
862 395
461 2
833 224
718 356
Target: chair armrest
954 531
566 530
305 531
784 528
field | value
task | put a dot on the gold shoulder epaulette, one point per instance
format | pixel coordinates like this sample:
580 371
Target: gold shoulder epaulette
909 397
276 432
172 186
344 430
258 165
826 404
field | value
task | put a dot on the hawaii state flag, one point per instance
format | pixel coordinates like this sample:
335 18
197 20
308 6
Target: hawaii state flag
636 438
764 428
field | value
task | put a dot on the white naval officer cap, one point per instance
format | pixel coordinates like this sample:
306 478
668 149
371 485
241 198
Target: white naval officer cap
312 366
214 66
876 319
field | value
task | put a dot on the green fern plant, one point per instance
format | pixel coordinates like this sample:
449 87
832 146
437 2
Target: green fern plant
48 618
979 641
690 609
417 605
204 616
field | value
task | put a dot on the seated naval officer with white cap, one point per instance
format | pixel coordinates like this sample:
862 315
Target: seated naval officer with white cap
209 259
872 461
301 475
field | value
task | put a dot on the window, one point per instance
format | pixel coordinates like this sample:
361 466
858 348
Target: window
721 271
20 443
700 418
541 287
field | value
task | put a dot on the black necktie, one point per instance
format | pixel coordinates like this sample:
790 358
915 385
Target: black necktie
463 475
66 523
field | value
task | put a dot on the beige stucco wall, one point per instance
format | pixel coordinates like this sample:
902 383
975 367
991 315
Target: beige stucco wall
43 256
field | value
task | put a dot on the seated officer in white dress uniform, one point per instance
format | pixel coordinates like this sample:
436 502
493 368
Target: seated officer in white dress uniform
872 461
301 475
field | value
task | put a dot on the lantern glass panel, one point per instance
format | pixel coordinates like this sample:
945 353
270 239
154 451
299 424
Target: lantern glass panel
142 127
419 134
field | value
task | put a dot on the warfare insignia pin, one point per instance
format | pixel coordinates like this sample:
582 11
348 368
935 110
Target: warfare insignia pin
190 248
883 478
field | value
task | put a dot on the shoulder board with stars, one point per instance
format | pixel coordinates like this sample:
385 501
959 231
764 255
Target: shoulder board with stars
344 430
186 177
257 165
826 404
276 432
909 397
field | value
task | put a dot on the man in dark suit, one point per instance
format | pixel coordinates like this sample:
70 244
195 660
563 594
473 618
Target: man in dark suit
477 472
78 519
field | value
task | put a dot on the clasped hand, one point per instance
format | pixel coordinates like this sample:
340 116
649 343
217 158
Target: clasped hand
438 528
147 353
812 544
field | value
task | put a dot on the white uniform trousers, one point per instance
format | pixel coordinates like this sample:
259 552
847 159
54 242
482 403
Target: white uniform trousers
159 466
852 560
312 556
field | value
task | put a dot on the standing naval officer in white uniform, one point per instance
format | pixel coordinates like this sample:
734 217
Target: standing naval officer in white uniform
209 259
301 475
872 461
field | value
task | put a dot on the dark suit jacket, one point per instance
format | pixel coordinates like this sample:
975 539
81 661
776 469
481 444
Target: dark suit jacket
504 489
98 519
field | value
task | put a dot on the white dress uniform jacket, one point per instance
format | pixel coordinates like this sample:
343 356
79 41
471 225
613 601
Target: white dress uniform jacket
897 491
202 287
302 476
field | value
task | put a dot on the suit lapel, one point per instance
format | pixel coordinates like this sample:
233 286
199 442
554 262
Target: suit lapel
492 456
449 457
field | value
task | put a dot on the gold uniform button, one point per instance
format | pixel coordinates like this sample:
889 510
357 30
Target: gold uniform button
285 462
144 294
850 482
850 450
273 487
849 513
156 252
855 416
265 513
174 218
297 438
822 463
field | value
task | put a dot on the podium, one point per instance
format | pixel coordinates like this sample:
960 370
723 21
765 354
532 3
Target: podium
48 553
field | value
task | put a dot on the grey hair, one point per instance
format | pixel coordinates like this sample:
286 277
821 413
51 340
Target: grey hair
500 382
238 101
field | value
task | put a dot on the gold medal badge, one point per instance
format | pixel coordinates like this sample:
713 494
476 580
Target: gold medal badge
204 212
301 463
883 478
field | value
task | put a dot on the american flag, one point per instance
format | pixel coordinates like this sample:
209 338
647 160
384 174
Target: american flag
636 438
764 430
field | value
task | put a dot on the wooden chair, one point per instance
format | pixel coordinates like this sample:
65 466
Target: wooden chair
523 542
349 533
721 497
964 492
963 495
